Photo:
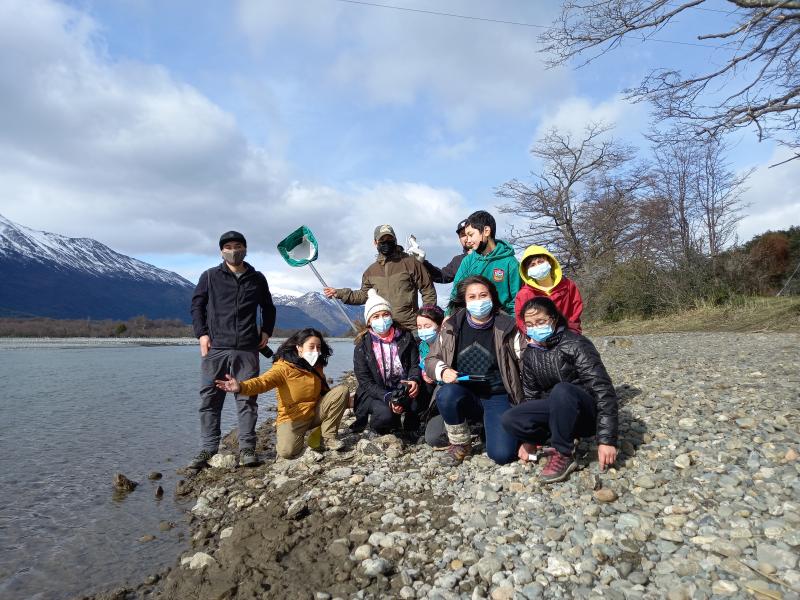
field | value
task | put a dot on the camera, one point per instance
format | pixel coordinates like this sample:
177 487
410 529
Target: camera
399 395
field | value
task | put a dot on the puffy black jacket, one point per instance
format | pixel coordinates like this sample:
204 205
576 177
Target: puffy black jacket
370 383
573 358
225 308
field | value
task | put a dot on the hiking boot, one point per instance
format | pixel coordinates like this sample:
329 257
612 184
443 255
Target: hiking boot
558 467
332 444
201 460
456 453
247 457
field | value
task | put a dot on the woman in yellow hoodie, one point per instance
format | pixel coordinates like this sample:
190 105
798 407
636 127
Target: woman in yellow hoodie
541 276
305 401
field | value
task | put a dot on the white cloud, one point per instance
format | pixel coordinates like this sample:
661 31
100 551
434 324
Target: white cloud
124 153
460 67
574 113
773 196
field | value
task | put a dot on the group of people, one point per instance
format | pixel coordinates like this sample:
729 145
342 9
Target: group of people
507 356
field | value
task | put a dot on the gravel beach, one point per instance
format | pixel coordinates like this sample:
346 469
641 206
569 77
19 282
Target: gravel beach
704 501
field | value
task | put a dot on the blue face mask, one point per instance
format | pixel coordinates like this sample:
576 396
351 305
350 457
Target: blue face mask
479 308
539 271
540 333
381 325
427 335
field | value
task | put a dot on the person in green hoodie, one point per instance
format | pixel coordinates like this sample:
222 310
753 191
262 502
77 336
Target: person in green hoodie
491 258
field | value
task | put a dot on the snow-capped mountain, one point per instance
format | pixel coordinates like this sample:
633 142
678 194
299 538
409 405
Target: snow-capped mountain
316 308
44 274
78 254
49 275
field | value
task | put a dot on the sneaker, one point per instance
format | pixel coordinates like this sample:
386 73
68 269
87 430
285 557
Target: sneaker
456 453
201 460
558 467
247 457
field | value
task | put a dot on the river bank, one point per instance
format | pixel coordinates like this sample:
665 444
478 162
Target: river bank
703 502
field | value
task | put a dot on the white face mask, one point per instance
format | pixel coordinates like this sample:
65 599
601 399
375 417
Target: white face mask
540 271
311 357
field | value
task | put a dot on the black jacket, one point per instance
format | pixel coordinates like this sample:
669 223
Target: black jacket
446 274
225 308
572 358
370 383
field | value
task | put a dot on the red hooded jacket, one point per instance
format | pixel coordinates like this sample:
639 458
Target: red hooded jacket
564 292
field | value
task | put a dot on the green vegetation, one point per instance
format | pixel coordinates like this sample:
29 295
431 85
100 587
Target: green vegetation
734 286
741 313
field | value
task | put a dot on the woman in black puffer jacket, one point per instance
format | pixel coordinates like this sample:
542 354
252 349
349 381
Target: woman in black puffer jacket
568 393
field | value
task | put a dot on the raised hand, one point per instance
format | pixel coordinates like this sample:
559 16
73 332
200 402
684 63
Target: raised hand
229 384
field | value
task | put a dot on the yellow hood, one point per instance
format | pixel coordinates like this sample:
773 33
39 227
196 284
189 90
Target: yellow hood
555 273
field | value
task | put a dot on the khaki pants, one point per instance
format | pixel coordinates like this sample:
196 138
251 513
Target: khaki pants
327 416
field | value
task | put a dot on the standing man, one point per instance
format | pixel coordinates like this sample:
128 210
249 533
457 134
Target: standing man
490 257
225 320
447 273
395 276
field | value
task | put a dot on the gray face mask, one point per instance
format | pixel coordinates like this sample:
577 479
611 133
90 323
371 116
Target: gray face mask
234 257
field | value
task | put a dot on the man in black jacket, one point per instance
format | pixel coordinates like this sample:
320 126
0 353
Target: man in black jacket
447 273
225 309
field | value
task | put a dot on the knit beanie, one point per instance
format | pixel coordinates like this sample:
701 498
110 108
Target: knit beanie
374 304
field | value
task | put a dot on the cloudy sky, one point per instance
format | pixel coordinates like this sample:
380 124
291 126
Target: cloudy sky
154 126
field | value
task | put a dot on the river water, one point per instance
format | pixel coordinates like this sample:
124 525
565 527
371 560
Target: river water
75 412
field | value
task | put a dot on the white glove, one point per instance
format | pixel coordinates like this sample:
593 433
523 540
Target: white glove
414 249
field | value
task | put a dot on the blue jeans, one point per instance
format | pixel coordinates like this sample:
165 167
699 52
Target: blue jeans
457 404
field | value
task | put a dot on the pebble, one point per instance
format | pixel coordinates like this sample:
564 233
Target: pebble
683 461
558 567
704 489
605 495
375 566
223 461
199 560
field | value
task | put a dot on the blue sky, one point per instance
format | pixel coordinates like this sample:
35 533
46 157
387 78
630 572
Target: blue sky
154 126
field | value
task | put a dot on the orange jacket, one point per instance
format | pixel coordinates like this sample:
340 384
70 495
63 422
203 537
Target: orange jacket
298 390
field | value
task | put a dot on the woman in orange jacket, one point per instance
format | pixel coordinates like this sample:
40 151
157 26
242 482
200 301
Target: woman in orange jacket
305 401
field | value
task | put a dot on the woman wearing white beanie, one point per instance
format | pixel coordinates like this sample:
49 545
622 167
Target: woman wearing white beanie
386 362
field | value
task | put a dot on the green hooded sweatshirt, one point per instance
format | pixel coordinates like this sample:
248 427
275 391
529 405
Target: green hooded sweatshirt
499 266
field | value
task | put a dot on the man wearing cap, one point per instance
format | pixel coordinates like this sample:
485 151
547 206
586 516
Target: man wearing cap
394 275
225 310
448 273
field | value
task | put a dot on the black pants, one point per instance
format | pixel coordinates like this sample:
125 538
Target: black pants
569 412
382 420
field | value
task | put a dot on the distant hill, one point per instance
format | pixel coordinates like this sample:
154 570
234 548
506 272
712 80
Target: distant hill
49 275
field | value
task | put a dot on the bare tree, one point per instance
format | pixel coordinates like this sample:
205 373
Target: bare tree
553 206
719 197
673 183
611 219
759 75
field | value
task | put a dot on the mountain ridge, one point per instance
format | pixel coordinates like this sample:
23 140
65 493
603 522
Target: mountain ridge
49 275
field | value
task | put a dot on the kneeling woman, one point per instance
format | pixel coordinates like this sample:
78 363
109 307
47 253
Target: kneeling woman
568 393
477 358
305 401
385 357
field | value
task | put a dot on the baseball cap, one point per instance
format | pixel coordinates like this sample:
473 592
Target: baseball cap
382 230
